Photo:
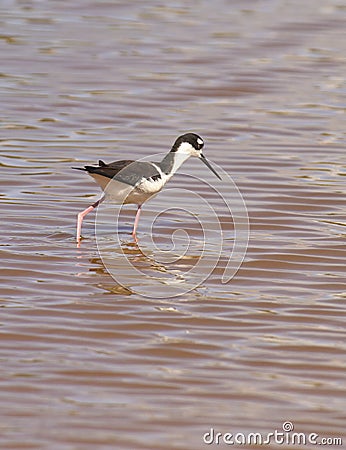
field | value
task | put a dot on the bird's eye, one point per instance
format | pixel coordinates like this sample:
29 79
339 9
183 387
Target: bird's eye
200 143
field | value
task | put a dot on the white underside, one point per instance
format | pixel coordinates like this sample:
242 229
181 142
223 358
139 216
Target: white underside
122 193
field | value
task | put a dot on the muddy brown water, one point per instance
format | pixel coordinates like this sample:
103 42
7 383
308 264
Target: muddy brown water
88 362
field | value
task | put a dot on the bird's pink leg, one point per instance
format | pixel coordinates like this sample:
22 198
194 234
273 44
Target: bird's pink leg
81 216
136 222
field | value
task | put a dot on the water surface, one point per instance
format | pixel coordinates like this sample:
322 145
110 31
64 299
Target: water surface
88 362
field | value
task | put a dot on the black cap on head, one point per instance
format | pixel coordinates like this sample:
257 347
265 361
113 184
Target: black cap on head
192 138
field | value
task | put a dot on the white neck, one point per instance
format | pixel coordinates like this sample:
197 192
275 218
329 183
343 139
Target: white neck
179 159
173 160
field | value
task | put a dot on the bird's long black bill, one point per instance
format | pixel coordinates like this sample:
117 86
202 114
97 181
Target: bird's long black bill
207 163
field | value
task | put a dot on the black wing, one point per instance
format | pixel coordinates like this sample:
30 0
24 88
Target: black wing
127 171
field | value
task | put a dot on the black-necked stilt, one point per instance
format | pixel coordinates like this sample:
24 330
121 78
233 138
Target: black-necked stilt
137 181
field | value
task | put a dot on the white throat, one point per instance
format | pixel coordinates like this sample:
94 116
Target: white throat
184 152
179 159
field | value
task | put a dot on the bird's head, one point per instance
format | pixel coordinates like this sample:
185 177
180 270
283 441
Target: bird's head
191 144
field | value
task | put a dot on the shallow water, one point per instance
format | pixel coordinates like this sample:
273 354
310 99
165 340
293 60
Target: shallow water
94 361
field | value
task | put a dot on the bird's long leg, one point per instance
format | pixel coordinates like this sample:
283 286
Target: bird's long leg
136 222
81 216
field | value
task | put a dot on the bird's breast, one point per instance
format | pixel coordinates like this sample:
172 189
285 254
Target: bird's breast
152 185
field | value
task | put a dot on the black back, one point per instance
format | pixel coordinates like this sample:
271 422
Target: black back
127 171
